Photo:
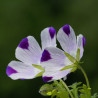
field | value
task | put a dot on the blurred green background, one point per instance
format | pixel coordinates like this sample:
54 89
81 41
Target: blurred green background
20 18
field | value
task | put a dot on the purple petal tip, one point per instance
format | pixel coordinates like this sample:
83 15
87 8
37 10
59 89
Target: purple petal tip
24 44
83 41
66 29
10 71
45 56
46 79
22 79
52 32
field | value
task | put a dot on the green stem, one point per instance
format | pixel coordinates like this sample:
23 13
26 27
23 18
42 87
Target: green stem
66 87
86 78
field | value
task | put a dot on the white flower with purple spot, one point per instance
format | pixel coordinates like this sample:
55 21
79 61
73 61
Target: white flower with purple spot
57 59
29 53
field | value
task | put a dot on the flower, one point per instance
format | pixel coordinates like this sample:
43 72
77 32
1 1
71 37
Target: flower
29 53
58 59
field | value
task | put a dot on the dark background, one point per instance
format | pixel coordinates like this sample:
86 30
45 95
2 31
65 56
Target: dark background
20 18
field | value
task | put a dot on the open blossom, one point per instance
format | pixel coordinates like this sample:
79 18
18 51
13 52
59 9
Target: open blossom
57 58
49 59
29 53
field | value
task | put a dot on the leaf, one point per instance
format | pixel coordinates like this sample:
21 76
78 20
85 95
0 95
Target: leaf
40 74
55 90
75 88
38 67
85 92
74 85
54 93
67 67
71 58
60 92
82 96
95 95
78 54
46 90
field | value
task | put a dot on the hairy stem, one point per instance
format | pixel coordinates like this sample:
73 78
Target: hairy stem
86 78
66 87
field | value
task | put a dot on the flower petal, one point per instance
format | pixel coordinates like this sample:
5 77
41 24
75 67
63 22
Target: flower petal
19 70
48 37
54 58
67 38
29 51
46 79
55 75
80 44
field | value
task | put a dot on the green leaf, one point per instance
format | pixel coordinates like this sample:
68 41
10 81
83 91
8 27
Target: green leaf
55 90
75 88
78 54
67 67
83 96
85 92
71 58
62 92
54 93
40 74
95 95
38 67
46 90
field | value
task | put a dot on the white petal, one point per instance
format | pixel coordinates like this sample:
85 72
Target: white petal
19 70
67 38
53 58
29 51
48 37
55 75
80 44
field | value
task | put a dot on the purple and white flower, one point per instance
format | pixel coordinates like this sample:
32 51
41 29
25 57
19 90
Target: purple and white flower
57 58
29 52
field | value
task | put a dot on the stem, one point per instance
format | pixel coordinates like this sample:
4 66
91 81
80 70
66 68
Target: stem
86 78
66 87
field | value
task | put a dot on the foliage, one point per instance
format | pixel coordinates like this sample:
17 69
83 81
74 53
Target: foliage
74 89
74 60
57 90
85 92
95 95
54 90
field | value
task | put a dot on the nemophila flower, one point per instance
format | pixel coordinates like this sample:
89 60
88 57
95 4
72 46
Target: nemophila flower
59 60
29 53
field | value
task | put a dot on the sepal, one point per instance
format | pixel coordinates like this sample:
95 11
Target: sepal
40 74
71 58
67 67
78 54
38 67
73 67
